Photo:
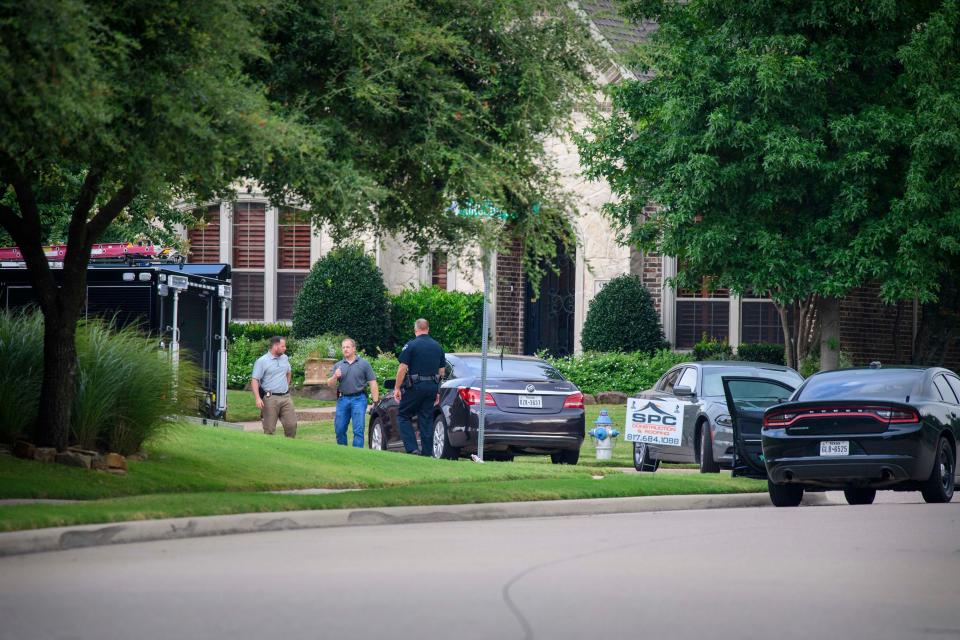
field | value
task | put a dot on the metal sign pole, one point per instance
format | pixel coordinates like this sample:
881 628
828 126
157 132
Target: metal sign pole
485 263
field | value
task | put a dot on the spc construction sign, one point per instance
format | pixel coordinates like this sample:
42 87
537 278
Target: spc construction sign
658 422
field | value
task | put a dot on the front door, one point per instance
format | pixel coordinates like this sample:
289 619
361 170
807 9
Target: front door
747 400
549 315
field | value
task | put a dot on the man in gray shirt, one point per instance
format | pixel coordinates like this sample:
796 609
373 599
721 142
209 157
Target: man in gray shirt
351 376
271 389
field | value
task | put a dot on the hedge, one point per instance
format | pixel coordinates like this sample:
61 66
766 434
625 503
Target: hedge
629 373
258 330
455 318
767 352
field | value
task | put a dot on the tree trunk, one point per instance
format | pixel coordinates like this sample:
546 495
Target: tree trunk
59 369
789 346
829 334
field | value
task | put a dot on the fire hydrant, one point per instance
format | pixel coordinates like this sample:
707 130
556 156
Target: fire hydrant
604 433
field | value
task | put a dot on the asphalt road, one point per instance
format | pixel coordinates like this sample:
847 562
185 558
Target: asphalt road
888 570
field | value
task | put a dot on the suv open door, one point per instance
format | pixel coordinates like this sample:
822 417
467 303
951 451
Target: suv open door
747 399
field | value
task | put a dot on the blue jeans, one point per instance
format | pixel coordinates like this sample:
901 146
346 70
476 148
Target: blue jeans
350 407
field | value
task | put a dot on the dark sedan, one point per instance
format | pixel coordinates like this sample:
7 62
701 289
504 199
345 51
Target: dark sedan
858 430
530 409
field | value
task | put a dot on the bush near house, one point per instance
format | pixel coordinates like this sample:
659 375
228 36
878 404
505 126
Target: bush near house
622 318
126 390
712 349
456 318
244 352
768 352
344 294
629 373
258 330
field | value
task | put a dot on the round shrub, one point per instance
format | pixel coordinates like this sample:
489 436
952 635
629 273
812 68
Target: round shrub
622 318
344 294
456 319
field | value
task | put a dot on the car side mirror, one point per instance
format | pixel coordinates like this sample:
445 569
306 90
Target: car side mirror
682 391
389 383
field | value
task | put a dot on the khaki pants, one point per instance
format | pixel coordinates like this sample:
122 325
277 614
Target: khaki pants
279 407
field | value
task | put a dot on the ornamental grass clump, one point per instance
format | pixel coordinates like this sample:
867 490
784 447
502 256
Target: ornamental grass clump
21 368
127 391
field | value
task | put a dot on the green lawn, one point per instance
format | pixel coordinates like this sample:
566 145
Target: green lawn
565 487
242 408
196 470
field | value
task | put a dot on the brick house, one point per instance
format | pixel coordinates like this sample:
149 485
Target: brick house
271 251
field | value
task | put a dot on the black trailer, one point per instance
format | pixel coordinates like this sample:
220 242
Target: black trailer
185 306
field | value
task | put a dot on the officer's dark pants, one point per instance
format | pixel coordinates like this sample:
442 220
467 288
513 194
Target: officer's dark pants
417 401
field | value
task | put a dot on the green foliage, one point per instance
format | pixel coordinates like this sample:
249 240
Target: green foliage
344 294
622 318
795 149
424 104
627 372
768 352
811 364
258 330
241 356
299 349
21 342
126 390
712 349
384 365
456 319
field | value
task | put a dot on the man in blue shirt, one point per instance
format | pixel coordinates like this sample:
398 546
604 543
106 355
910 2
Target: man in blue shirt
418 385
271 389
351 376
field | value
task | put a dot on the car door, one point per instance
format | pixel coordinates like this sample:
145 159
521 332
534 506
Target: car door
747 400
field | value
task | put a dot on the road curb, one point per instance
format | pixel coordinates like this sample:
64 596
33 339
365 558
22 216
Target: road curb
65 538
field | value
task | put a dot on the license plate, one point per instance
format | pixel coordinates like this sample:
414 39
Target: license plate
531 402
835 448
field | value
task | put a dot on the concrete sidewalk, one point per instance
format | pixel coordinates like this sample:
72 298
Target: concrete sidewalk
63 538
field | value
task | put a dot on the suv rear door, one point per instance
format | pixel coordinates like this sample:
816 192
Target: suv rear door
747 400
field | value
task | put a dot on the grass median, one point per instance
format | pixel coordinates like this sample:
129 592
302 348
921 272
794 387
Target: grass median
198 470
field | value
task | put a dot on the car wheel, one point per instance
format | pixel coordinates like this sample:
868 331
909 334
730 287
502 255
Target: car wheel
377 439
642 460
785 495
860 496
707 464
442 449
939 486
567 456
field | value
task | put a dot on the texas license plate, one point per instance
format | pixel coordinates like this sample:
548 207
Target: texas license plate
531 402
835 448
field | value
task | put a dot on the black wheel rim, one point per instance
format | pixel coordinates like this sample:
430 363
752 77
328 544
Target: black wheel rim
946 471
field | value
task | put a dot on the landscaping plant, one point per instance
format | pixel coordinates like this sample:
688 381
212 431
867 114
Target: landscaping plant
344 294
622 317
455 318
629 373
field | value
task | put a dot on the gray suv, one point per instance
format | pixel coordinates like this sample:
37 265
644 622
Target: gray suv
707 429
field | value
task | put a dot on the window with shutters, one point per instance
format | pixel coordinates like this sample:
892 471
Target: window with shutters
247 301
438 269
249 237
759 320
700 312
293 257
204 236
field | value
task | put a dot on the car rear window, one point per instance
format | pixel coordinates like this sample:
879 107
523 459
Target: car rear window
713 383
861 384
518 369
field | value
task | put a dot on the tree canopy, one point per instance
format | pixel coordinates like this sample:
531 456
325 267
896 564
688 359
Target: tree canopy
796 149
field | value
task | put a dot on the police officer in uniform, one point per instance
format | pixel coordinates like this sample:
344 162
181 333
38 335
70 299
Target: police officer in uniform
418 387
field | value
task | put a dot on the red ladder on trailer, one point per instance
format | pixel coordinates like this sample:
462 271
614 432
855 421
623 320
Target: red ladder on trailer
109 250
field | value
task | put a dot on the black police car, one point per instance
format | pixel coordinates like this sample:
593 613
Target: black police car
859 430
530 409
